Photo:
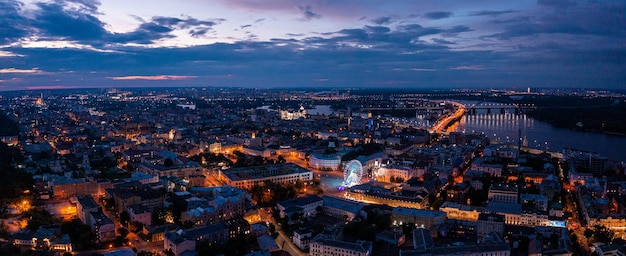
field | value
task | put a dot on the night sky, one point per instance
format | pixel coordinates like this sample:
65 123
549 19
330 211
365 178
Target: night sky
325 43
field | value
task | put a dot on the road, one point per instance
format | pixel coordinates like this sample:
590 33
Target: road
443 123
283 240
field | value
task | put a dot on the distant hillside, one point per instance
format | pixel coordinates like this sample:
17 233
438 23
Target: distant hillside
8 127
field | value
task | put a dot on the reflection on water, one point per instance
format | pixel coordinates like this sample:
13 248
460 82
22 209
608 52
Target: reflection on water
540 135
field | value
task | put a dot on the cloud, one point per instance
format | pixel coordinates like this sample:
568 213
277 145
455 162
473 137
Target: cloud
597 19
437 15
14 26
160 27
77 20
579 46
9 54
53 20
152 78
88 5
198 32
20 71
468 67
557 3
307 12
490 13
381 20
15 79
454 31
442 41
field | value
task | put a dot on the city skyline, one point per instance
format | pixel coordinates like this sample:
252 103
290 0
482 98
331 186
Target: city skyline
431 44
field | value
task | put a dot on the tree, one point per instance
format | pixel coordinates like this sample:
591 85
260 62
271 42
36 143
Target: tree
296 217
281 160
123 232
136 227
38 217
601 234
124 218
392 179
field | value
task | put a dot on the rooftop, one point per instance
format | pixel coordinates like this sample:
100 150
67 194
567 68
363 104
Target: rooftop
418 212
301 201
262 171
359 246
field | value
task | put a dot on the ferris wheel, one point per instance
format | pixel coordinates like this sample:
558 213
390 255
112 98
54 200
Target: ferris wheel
352 173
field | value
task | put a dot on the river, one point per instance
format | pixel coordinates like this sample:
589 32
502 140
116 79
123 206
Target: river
504 128
539 135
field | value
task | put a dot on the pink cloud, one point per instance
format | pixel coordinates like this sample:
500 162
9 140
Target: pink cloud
20 71
152 78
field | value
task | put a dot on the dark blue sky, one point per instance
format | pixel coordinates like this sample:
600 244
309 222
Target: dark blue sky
325 43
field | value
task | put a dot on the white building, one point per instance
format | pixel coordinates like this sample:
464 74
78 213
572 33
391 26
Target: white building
321 161
485 165
178 244
291 115
302 238
461 211
247 177
341 208
307 205
325 245
504 193
512 212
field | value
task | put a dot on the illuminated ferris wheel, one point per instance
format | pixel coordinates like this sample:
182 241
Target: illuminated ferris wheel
352 173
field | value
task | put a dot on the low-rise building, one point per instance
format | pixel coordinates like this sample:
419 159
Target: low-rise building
45 238
489 222
308 205
539 201
325 161
390 237
461 211
178 244
157 233
247 177
323 245
302 238
342 208
102 226
139 213
84 206
419 217
66 188
512 212
504 193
